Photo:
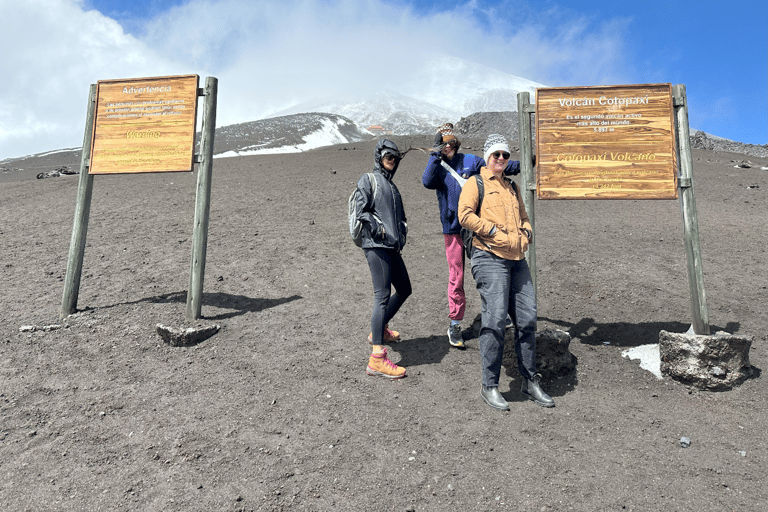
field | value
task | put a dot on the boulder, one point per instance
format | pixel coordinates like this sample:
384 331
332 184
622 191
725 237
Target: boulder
713 362
553 354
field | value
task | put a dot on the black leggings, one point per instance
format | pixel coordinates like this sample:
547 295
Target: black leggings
387 270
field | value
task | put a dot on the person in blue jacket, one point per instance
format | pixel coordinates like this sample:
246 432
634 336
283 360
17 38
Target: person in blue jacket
446 172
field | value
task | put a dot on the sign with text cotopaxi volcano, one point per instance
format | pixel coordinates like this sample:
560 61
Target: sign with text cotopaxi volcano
610 142
144 125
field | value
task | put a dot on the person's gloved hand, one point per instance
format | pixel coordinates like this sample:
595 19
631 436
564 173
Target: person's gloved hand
438 144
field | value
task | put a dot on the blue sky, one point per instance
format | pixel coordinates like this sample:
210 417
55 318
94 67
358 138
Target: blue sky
269 54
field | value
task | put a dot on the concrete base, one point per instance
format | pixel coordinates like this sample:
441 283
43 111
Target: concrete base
712 362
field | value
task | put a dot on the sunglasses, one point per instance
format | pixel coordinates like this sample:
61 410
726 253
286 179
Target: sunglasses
389 157
500 155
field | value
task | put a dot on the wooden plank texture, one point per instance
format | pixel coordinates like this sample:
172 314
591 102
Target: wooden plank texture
606 142
144 125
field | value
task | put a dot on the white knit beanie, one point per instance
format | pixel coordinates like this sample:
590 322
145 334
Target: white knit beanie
494 142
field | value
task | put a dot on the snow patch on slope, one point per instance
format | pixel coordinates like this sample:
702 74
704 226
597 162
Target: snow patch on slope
328 134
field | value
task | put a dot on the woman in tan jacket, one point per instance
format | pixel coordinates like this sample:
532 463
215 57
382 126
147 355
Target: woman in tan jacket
502 234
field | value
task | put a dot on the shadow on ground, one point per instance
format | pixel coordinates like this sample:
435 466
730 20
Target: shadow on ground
239 304
625 334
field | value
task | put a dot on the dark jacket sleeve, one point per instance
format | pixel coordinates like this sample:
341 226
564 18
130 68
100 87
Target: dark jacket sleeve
364 205
513 168
434 175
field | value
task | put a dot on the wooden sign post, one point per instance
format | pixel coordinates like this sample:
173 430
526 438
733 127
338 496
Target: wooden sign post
137 126
614 142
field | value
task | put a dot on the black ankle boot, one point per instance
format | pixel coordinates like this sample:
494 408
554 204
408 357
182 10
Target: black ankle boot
493 398
532 390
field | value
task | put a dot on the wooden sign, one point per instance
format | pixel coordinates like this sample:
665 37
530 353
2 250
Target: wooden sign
610 142
144 125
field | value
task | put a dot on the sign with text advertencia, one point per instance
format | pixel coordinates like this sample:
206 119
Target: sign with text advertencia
144 125
606 142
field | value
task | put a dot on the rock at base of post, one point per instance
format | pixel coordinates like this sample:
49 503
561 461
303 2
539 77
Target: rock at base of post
184 337
553 354
712 362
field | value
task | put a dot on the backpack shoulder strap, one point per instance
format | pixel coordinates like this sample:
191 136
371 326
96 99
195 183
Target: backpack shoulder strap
453 173
480 192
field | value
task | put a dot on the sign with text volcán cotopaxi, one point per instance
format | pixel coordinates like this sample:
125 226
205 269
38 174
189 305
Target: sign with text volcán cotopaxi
606 142
144 125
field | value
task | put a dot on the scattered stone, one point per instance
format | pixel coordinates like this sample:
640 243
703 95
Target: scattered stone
56 173
712 362
744 164
685 442
182 337
44 328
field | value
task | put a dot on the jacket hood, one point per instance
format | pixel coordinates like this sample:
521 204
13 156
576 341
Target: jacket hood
383 147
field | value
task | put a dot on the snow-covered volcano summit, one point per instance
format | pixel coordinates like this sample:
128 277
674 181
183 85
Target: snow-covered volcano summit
454 88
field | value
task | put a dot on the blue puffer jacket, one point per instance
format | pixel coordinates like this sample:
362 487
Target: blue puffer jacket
448 190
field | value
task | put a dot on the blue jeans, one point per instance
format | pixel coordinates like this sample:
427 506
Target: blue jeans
505 286
387 271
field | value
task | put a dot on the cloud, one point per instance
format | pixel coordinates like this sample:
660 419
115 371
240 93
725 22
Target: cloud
271 55
58 50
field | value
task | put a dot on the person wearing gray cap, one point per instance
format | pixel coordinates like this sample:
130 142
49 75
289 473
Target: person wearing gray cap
503 278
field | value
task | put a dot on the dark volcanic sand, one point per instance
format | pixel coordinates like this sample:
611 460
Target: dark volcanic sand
275 411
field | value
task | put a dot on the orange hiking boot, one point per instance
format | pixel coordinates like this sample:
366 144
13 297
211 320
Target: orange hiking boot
389 336
379 364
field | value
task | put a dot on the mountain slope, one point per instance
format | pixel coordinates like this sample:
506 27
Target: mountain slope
286 134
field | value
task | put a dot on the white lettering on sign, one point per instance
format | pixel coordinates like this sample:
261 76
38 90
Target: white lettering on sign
590 102
139 90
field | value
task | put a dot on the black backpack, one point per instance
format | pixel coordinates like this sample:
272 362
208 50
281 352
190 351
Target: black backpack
467 235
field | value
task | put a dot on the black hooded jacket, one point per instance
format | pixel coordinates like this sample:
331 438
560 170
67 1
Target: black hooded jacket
383 216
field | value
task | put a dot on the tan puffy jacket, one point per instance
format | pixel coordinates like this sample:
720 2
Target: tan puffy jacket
502 207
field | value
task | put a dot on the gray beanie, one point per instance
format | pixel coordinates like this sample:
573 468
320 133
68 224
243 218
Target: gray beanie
494 142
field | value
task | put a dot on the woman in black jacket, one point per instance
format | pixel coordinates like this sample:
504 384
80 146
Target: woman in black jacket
384 234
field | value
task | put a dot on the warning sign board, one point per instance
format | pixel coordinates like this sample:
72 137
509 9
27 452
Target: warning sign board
144 125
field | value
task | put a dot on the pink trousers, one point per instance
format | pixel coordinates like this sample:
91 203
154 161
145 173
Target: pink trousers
454 253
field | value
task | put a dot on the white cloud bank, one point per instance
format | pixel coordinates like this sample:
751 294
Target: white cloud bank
270 55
